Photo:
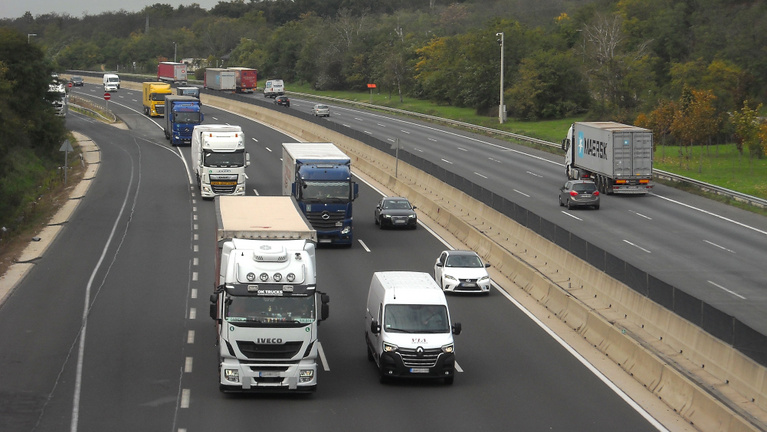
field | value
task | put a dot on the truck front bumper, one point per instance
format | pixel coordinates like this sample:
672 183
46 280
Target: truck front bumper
268 377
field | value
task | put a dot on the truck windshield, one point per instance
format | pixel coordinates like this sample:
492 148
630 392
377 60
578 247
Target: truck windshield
416 319
187 117
224 159
270 311
157 96
326 191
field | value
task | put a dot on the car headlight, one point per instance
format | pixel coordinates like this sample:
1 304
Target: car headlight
484 278
412 216
387 347
386 216
447 276
447 349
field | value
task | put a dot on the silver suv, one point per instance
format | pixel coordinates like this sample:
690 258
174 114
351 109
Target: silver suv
579 193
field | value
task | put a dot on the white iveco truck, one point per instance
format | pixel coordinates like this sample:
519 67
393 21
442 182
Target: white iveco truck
266 305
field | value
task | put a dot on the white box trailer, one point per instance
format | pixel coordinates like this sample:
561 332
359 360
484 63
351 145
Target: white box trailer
220 79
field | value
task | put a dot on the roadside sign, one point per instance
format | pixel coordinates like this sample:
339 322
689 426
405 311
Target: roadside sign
70 84
107 96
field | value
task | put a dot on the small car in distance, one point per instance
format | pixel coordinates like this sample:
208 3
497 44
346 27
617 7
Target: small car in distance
321 110
282 100
395 212
579 193
77 81
462 271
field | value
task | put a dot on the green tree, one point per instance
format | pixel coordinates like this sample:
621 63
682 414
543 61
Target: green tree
747 130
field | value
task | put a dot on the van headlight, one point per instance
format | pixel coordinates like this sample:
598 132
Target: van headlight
447 349
387 347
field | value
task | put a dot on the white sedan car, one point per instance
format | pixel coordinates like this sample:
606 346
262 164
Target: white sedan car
462 271
321 110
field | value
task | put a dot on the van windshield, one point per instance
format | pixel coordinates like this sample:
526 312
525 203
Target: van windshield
416 319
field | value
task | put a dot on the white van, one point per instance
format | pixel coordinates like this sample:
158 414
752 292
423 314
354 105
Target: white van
111 82
274 88
407 327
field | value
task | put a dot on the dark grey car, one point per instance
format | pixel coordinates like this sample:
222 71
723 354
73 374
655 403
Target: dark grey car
395 212
579 193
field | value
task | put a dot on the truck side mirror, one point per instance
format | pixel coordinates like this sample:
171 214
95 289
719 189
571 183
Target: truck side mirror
324 311
457 329
565 143
247 159
356 189
213 308
375 328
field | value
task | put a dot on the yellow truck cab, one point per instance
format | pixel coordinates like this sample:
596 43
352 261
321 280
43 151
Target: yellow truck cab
153 97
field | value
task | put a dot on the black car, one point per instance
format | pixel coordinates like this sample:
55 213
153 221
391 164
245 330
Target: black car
77 81
395 212
282 100
579 193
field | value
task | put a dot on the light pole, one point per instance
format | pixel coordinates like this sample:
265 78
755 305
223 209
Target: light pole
501 107
29 35
174 52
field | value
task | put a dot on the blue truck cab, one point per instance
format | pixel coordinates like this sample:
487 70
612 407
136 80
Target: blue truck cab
182 114
319 176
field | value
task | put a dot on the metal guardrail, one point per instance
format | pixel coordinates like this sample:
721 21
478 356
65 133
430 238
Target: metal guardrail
665 175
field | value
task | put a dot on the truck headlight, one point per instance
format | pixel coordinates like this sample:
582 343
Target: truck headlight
347 229
232 375
447 349
305 375
388 347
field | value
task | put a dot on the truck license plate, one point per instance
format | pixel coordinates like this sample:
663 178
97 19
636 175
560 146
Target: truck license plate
222 183
419 370
268 374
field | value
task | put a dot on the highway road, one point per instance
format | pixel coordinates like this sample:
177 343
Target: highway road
710 250
110 330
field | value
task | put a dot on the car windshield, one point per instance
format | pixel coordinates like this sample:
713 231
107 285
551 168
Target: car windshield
416 319
584 187
396 205
322 107
463 261
270 311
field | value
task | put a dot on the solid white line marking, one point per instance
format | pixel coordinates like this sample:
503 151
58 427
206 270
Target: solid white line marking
726 290
323 359
711 214
364 246
638 247
720 247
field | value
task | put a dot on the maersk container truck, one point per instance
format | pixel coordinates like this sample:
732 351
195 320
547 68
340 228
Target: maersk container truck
319 176
617 157
219 79
172 72
219 160
246 79
265 303
182 114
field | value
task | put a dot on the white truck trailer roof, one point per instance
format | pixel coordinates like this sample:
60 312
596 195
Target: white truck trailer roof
314 151
261 218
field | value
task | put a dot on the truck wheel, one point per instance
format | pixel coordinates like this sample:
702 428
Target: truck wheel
199 183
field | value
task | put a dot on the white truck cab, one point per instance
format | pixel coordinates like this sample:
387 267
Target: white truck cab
407 327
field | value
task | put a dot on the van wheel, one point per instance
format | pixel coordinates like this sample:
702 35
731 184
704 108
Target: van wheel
449 380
